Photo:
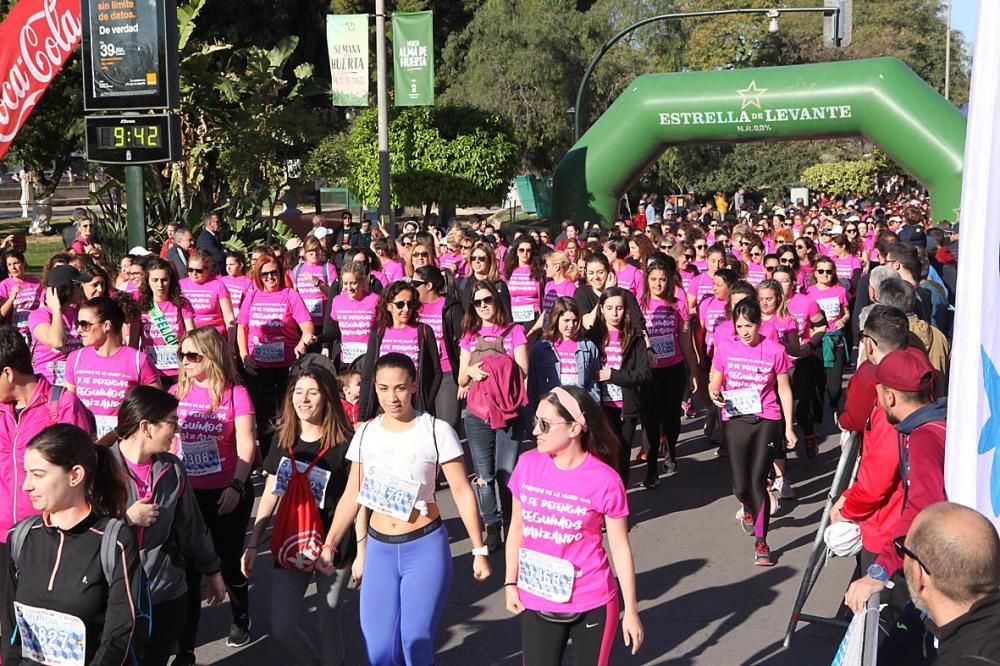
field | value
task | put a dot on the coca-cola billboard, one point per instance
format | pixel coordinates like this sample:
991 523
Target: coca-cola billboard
36 39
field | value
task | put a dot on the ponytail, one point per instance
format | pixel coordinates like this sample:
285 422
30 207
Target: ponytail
108 493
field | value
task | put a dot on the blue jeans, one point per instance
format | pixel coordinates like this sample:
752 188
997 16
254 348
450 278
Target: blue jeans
494 453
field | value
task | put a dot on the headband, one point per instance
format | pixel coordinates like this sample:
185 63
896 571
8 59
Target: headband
569 404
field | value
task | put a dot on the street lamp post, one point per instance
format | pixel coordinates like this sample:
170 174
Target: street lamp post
835 11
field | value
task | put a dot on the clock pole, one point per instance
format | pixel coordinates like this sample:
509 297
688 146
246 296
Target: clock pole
136 206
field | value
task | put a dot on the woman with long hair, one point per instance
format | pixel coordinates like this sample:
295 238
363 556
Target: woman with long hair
452 258
599 277
640 249
235 279
95 282
683 254
163 509
20 293
104 369
487 329
672 351
352 314
216 441
482 266
388 255
560 274
753 403
627 276
805 252
440 310
54 331
846 260
312 430
563 356
564 589
397 329
164 317
423 253
80 490
312 279
754 255
274 328
832 299
407 562
624 369
208 295
524 273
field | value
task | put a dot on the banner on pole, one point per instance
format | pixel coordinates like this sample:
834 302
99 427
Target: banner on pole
36 39
413 58
347 45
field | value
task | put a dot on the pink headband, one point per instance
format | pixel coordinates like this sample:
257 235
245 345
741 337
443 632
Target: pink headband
569 404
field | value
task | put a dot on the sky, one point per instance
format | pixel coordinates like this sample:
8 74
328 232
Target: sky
963 17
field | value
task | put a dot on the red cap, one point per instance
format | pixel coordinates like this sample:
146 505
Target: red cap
906 370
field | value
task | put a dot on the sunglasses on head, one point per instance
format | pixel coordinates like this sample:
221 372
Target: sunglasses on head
270 274
480 302
401 305
193 357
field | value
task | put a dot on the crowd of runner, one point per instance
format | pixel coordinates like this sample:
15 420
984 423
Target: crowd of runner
348 368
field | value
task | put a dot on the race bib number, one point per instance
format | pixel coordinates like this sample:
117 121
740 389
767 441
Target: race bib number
568 379
742 402
388 493
523 313
830 307
611 392
21 319
201 458
49 637
163 357
105 424
269 352
314 305
663 346
349 351
545 576
318 479
58 370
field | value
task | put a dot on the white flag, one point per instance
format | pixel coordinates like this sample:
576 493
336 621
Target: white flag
972 454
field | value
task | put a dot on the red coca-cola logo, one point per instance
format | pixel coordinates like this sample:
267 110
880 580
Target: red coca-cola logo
36 39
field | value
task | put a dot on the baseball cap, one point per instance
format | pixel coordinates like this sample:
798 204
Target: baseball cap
904 370
293 244
321 232
139 251
60 276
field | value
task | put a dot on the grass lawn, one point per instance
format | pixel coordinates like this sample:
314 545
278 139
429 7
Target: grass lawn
39 248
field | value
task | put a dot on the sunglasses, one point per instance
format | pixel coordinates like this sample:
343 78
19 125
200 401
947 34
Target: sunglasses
851 231
196 271
810 234
193 357
544 426
903 551
785 261
403 305
84 325
824 271
418 283
479 257
421 254
770 269
480 302
666 248
744 243
270 274
799 247
787 225
405 244
700 247
689 257
466 247
524 250
136 273
756 254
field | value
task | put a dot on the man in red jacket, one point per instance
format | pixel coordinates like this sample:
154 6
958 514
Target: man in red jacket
905 381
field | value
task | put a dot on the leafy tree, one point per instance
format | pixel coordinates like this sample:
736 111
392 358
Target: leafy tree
450 155
842 177
329 160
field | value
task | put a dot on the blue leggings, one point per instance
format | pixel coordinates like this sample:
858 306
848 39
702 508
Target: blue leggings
403 591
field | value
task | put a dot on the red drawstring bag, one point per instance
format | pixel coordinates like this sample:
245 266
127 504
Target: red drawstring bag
298 534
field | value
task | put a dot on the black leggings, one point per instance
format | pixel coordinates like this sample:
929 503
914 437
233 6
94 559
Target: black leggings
267 392
168 623
543 642
661 407
228 534
750 441
807 393
625 429
833 378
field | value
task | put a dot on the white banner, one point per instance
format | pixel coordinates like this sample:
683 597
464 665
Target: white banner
972 461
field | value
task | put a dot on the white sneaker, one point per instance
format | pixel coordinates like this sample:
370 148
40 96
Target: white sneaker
783 488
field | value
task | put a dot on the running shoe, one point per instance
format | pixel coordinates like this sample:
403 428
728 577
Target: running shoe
746 522
812 447
669 467
493 539
762 555
651 481
239 635
641 456
784 487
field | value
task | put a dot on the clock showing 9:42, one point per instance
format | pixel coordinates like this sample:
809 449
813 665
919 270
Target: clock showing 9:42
133 139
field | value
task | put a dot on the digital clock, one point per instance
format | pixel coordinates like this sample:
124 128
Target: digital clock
133 139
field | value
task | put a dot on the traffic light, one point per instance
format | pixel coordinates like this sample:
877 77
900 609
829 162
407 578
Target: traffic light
837 25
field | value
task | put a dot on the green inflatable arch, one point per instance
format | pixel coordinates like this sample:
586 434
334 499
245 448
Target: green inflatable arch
880 98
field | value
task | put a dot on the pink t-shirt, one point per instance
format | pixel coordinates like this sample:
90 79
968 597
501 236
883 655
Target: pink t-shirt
562 511
756 368
207 435
141 475
803 308
553 291
664 323
431 314
29 297
701 264
630 278
205 301
237 288
48 362
102 381
514 338
524 291
711 313
403 341
356 319
162 351
393 270
755 273
302 275
454 261
569 374
611 394
701 287
687 279
832 301
779 329
846 267
272 319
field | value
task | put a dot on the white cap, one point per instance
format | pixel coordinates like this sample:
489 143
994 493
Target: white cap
321 232
139 251
293 244
843 538
853 218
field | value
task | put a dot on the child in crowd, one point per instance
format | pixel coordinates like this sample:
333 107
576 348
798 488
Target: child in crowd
350 388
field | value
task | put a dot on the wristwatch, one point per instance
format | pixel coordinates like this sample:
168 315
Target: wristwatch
237 485
878 572
482 550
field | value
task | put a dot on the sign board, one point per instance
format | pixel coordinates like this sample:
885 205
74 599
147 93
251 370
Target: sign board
134 139
129 54
413 58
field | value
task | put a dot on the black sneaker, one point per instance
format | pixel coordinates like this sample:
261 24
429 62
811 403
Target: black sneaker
651 481
183 659
493 539
239 635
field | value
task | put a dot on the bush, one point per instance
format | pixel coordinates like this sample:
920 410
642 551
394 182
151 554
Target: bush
849 177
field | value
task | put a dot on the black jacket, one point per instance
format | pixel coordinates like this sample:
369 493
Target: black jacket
451 321
210 243
972 639
428 371
587 300
634 373
180 265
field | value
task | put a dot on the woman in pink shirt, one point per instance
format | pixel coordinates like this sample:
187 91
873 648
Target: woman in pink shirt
846 260
524 274
452 258
755 262
421 254
749 384
103 371
628 276
443 313
805 251
385 249
54 333
164 317
352 312
312 279
208 295
558 576
832 299
561 276
237 284
20 294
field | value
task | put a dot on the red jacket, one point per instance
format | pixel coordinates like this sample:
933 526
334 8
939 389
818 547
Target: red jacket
498 398
860 398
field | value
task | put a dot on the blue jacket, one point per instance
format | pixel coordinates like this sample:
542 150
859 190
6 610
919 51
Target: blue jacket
543 369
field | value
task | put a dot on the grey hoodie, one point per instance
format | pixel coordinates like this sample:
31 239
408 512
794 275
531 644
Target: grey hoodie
179 534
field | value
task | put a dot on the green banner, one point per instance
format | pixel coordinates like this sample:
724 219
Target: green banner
347 44
413 58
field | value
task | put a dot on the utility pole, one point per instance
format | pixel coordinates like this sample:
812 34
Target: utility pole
384 208
947 55
136 206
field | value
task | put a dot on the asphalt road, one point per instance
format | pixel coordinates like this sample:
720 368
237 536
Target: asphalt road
702 601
